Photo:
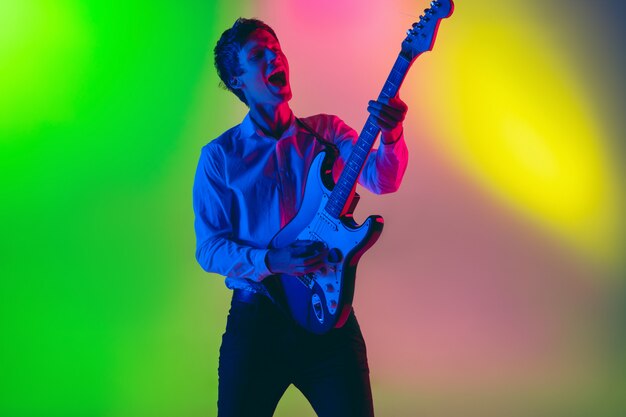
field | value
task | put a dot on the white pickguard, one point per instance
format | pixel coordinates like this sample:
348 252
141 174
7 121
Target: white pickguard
336 236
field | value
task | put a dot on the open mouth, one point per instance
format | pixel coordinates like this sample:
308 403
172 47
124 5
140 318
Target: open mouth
279 79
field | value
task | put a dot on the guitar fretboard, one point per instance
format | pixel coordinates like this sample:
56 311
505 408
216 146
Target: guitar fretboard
354 165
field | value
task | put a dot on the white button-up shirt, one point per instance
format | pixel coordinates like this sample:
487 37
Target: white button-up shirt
249 185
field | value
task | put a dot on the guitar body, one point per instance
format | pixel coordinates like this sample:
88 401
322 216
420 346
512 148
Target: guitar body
322 300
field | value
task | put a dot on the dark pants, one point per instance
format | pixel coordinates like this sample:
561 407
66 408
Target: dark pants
263 352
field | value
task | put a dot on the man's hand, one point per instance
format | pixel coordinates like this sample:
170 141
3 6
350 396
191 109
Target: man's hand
299 258
389 115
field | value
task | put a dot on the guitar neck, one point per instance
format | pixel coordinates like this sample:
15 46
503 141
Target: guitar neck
342 192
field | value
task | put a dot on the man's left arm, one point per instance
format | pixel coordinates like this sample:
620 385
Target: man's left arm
388 114
385 166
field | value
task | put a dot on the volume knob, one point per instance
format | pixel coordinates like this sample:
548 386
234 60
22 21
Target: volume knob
334 256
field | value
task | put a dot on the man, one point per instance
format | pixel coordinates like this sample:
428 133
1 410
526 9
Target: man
248 185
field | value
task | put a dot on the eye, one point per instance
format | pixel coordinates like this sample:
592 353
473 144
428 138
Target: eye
256 55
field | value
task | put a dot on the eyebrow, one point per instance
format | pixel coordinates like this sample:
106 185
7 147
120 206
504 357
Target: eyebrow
256 46
252 51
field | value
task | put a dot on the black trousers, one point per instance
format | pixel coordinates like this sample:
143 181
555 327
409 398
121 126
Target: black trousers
263 352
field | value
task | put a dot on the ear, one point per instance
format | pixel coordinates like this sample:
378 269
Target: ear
234 82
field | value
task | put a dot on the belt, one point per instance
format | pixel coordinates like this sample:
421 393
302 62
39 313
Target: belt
246 296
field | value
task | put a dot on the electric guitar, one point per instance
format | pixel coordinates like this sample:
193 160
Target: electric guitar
322 300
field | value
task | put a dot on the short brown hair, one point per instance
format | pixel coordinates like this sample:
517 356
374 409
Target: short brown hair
227 50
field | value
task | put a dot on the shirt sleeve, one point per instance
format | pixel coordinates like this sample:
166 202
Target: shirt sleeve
384 167
216 249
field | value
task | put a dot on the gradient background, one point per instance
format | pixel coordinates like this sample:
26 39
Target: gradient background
497 288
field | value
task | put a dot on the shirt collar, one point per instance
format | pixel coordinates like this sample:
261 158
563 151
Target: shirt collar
248 128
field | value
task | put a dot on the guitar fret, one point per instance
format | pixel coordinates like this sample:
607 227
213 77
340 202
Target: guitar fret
389 88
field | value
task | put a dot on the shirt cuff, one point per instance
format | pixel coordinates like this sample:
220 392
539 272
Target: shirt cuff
262 271
391 145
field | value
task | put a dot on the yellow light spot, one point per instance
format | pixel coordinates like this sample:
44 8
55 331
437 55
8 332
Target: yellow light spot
520 124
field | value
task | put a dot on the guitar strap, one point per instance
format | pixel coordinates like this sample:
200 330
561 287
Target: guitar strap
326 143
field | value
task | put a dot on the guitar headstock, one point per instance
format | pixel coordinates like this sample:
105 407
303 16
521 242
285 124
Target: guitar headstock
421 37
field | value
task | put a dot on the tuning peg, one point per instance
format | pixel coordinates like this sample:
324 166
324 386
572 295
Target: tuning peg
428 11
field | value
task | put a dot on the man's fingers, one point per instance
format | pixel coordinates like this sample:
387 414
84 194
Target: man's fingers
385 126
305 248
393 103
307 256
385 118
313 267
386 121
300 247
316 259
397 103
380 108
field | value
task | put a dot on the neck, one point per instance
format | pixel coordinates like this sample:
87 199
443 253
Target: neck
273 120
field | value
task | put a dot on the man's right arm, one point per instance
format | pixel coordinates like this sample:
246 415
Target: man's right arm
216 249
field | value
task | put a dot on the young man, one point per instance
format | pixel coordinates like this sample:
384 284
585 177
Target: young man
248 185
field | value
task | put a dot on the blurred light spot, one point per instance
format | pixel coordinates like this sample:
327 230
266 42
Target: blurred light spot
44 49
522 127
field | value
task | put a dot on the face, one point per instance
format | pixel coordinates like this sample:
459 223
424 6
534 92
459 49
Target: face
265 77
